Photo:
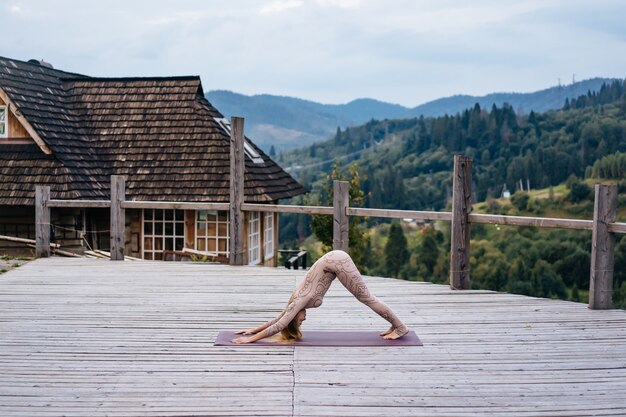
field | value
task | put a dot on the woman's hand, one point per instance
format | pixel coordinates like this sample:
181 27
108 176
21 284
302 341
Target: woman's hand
242 340
248 331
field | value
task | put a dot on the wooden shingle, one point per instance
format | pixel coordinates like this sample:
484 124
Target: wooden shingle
161 133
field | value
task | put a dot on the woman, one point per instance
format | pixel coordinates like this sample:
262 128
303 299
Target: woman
310 294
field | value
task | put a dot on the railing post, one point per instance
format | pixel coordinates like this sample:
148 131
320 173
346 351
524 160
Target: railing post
118 217
42 221
461 208
602 244
237 163
340 216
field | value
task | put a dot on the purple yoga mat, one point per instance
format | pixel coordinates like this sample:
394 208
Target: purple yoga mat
335 338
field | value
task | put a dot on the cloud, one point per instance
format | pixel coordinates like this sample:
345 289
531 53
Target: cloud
279 6
332 51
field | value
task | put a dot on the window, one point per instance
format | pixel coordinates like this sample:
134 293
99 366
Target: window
162 230
268 242
247 147
4 122
254 238
212 232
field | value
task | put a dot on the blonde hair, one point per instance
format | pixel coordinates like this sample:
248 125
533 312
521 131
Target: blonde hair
292 332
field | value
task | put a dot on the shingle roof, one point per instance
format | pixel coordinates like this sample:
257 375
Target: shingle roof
161 133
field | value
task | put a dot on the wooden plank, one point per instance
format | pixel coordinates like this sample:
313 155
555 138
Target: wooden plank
617 228
80 203
341 225
278 208
97 338
171 205
602 248
400 214
237 191
460 233
118 217
22 240
42 221
543 222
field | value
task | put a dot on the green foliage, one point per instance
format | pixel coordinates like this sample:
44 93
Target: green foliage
520 200
396 253
610 166
322 226
409 162
578 190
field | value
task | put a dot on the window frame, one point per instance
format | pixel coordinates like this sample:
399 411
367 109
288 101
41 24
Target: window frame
163 236
4 123
216 237
268 235
254 231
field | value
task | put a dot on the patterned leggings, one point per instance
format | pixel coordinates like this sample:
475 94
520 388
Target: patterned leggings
339 264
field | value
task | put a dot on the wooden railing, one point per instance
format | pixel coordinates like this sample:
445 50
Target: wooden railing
603 225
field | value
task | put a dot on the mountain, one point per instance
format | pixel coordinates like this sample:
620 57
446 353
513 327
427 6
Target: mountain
289 123
407 163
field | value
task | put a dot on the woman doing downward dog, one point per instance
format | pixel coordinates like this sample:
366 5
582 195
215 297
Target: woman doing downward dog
310 294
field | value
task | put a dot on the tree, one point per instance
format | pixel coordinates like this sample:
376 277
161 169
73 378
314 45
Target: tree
396 252
322 225
578 190
429 249
272 151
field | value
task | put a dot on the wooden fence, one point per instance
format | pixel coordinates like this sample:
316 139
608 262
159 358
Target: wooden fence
603 225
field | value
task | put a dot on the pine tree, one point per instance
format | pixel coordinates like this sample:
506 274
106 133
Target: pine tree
396 252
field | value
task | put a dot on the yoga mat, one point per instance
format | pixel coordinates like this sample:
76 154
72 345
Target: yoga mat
335 338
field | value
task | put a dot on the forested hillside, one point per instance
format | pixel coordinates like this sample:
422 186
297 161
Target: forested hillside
287 123
407 164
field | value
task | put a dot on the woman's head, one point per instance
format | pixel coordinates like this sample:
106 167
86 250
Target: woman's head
292 332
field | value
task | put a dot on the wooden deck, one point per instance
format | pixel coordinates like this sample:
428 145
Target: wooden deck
100 338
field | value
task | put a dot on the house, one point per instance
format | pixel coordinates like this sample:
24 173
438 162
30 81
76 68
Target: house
72 132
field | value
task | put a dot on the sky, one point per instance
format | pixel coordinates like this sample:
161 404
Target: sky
330 51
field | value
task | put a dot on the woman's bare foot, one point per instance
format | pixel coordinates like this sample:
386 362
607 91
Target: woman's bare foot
397 333
385 333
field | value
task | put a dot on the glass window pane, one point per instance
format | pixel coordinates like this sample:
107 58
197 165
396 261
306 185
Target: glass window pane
169 244
158 229
147 228
169 229
202 215
180 229
222 245
158 214
158 256
211 245
147 243
211 229
223 216
200 245
169 214
158 244
223 229
211 216
147 214
180 244
201 230
180 215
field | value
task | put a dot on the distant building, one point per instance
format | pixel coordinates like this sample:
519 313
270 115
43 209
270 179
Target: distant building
72 132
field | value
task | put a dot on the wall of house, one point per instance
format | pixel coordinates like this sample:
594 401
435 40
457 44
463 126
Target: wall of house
17 221
15 128
68 228
133 233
